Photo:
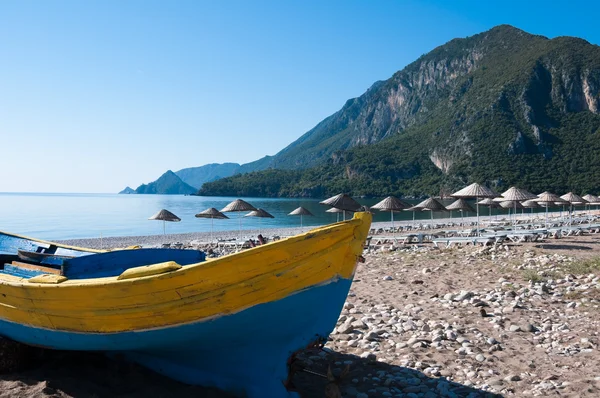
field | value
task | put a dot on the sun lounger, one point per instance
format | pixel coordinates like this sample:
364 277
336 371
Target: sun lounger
572 231
448 242
397 239
520 238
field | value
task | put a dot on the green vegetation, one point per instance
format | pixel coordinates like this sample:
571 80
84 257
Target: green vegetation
503 108
584 267
532 275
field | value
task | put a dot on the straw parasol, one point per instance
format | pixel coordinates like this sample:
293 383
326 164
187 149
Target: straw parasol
343 202
530 204
260 213
391 204
508 204
300 211
460 205
414 210
431 205
516 195
211 213
592 200
336 211
489 202
237 206
476 191
572 199
165 215
548 199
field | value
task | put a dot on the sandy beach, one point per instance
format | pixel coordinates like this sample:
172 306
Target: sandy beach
519 319
201 238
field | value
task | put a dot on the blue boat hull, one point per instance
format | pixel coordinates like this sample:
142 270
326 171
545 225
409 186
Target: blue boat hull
244 353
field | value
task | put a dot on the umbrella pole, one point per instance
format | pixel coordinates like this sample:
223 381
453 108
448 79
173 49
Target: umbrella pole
240 220
300 220
515 217
393 230
477 199
164 227
212 221
344 212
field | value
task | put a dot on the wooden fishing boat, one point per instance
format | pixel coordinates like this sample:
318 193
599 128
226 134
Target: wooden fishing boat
232 322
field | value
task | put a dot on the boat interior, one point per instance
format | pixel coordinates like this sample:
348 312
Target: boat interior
43 261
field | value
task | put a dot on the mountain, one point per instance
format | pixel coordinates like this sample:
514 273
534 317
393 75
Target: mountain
127 190
167 184
502 107
196 176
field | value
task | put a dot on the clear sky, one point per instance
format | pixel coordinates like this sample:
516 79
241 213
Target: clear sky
98 94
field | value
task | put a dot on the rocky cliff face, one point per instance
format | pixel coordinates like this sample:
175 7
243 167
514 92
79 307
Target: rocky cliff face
527 76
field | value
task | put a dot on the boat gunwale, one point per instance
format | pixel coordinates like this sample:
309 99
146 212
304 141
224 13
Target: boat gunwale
239 256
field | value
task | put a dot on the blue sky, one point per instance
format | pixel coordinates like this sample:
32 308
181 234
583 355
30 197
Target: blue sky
97 95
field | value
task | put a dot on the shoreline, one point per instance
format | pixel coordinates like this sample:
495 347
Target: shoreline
205 237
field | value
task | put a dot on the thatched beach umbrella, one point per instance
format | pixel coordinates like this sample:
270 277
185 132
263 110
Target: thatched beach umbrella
476 191
548 199
572 199
238 205
431 205
260 213
592 200
460 205
391 204
211 213
530 204
164 216
489 202
336 211
414 210
517 195
507 204
300 211
343 202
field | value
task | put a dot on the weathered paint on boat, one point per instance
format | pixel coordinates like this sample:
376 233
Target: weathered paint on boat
230 322
11 243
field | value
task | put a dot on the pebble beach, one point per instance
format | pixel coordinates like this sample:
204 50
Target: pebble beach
518 319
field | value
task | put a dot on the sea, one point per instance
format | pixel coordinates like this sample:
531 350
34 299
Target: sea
55 216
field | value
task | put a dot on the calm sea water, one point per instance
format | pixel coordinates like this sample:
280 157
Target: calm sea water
70 216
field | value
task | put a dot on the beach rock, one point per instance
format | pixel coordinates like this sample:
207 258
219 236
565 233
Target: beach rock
514 328
463 295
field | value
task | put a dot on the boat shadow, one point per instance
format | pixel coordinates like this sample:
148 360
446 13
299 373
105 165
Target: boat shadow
84 374
373 378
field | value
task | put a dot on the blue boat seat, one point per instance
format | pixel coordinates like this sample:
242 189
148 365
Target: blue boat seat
25 270
114 263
